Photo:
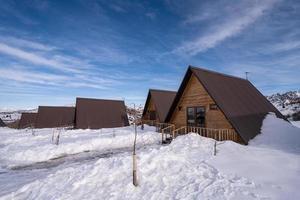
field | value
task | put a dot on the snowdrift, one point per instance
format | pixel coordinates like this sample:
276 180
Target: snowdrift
278 134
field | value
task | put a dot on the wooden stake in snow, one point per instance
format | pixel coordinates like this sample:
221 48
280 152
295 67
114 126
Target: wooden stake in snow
215 148
57 138
134 164
32 129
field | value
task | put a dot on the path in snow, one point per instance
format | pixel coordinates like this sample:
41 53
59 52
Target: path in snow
19 147
17 176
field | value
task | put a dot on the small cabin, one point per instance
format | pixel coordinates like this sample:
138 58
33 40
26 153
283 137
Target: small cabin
217 105
157 105
27 120
55 116
100 113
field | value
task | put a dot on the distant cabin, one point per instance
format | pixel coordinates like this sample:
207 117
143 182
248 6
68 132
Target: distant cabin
157 105
100 113
27 120
2 124
55 116
219 106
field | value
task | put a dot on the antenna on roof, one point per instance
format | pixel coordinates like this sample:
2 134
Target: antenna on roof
247 75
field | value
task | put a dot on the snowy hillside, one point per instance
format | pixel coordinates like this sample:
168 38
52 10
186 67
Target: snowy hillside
287 103
134 112
97 164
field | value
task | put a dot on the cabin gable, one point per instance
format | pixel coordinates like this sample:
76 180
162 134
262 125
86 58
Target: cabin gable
195 95
150 110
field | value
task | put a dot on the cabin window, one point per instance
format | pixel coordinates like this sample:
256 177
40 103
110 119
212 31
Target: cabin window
213 107
152 115
196 116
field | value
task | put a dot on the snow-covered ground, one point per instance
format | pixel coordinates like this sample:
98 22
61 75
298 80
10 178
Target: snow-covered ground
185 169
20 147
296 123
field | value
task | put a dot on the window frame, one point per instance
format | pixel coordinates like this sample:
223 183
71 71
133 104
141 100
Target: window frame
196 121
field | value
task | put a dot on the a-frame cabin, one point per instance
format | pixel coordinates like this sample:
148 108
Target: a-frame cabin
223 106
157 106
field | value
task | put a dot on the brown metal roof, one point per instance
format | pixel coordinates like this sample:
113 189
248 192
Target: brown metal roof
27 120
100 113
162 100
242 104
55 116
2 124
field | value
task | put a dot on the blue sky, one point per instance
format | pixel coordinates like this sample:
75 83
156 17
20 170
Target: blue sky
53 51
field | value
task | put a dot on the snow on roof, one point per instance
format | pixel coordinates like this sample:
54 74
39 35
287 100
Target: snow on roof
278 134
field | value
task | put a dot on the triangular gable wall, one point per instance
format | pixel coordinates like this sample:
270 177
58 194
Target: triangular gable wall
149 106
194 94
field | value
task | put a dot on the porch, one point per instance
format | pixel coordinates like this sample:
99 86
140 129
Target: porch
170 132
158 125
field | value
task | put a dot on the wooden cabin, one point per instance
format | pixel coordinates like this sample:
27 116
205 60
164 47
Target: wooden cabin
55 116
27 120
217 105
157 105
100 113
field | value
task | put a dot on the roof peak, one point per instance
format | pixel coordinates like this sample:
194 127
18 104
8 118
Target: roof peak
215 72
56 107
159 90
83 98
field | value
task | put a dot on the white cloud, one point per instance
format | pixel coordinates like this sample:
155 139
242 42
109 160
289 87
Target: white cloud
34 58
229 28
32 77
151 15
21 75
286 46
17 42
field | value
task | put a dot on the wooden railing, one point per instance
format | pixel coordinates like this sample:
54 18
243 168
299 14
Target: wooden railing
167 132
160 126
217 134
180 131
149 122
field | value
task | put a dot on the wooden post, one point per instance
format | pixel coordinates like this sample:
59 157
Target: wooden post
215 148
134 175
134 167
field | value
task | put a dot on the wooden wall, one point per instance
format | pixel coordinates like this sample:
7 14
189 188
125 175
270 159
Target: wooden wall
195 95
150 107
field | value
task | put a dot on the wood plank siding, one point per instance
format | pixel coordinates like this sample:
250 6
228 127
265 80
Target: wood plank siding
150 108
195 95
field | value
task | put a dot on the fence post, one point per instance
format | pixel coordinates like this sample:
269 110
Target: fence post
215 148
173 132
134 168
